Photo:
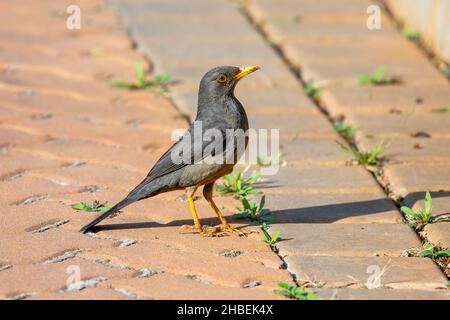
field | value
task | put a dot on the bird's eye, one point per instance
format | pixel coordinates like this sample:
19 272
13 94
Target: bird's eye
222 78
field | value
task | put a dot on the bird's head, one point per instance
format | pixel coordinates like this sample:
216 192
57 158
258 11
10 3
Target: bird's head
220 81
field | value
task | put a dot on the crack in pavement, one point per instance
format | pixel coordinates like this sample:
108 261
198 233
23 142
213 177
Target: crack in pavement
4 267
83 284
122 242
65 256
48 226
22 296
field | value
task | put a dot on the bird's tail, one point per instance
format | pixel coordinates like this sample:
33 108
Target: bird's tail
106 214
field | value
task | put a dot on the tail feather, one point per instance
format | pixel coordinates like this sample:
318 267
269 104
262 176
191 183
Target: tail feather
106 214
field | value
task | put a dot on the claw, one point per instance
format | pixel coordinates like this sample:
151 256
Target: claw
213 232
206 231
238 232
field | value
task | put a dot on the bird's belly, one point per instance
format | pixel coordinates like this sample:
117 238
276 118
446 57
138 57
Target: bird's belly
202 173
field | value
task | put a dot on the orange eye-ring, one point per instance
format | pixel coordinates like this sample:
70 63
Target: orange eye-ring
222 78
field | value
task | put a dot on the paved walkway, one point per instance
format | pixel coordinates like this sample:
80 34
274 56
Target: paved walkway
66 133
337 219
418 159
67 136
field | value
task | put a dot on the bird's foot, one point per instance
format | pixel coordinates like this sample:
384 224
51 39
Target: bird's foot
239 232
206 231
190 227
213 232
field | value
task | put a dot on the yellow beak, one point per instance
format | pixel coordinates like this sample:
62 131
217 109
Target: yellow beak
245 71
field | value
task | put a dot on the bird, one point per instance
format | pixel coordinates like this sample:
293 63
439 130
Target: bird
218 110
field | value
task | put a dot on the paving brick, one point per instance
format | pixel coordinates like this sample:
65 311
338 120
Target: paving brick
382 99
411 149
85 294
403 125
326 62
331 28
312 8
311 125
168 286
88 129
91 153
316 152
440 201
122 109
186 241
411 178
207 266
94 174
382 294
412 73
13 137
53 277
438 233
49 212
314 180
345 239
359 272
17 191
40 247
332 208
15 161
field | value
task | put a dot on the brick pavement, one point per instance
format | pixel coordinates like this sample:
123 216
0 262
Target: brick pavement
67 136
323 207
330 43
57 138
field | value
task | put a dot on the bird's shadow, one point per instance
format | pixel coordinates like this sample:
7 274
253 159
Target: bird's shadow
313 214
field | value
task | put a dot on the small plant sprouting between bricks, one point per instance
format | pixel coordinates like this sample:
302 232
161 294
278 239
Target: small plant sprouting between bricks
410 33
252 211
96 206
377 78
284 19
370 157
312 90
296 292
265 163
157 84
434 251
237 186
443 109
347 131
418 219
270 239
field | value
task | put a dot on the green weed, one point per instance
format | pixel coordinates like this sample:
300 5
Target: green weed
444 109
270 239
410 33
252 211
238 186
96 206
370 157
376 78
418 219
156 84
345 130
434 251
312 90
296 292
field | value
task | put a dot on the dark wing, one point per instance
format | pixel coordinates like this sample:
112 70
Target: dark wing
166 164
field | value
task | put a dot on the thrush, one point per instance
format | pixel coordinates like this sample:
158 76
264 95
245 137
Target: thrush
219 111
